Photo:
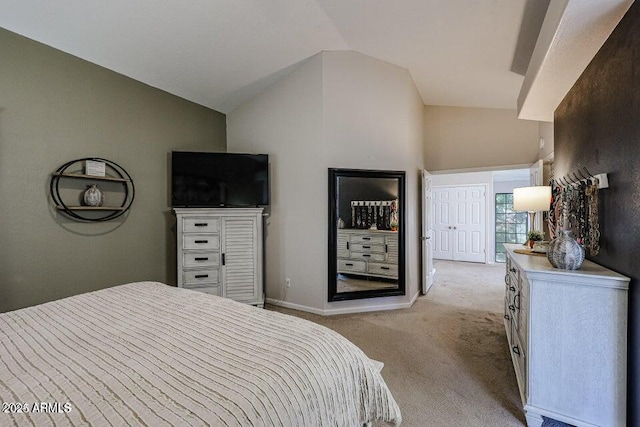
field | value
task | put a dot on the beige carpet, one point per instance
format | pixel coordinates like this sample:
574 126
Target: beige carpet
446 358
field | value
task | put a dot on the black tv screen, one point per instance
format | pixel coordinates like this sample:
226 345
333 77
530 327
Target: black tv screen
219 179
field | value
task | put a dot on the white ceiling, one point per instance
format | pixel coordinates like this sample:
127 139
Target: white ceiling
219 53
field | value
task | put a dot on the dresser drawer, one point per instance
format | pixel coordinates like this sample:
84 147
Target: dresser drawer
201 225
204 276
367 247
367 239
367 256
201 241
205 259
383 269
209 289
346 266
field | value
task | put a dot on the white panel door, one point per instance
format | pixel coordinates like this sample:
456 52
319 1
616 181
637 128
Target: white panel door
442 226
427 231
239 259
459 223
470 224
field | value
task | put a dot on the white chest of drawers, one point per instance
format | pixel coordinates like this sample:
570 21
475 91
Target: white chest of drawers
368 253
219 252
567 331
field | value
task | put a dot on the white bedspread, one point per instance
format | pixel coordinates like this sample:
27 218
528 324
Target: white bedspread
150 354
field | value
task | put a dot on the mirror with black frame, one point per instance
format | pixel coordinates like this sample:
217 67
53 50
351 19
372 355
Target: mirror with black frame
366 233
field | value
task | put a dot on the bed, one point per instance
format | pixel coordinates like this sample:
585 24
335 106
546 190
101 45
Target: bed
151 354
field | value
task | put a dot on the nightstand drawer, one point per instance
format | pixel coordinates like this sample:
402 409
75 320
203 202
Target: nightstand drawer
201 225
201 241
202 277
196 259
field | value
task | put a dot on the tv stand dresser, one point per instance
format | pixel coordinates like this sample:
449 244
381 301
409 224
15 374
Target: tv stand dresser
220 252
567 333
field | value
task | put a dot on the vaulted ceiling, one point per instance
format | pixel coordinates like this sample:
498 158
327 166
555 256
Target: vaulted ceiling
219 53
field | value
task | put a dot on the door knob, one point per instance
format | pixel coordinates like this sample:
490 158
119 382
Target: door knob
455 228
449 227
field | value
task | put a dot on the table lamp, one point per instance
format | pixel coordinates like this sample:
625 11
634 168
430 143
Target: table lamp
532 200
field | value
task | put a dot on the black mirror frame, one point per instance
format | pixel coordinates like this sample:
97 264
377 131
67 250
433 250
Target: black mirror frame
334 174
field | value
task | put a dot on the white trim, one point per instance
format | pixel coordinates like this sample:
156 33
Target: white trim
480 169
349 310
558 417
293 306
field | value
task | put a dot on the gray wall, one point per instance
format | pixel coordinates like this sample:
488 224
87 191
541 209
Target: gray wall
54 108
597 125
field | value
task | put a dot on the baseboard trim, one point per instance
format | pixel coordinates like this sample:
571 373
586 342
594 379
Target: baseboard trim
293 306
346 310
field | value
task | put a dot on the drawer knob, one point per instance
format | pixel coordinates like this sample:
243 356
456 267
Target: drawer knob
512 289
201 276
512 307
202 258
366 247
516 350
366 255
507 317
201 224
384 268
201 241
513 270
348 264
366 238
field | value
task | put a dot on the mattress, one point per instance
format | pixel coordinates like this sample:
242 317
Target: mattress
150 354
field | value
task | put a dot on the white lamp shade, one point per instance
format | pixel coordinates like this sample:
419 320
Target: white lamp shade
532 199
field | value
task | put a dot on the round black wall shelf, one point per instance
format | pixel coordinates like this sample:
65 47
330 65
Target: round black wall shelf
113 173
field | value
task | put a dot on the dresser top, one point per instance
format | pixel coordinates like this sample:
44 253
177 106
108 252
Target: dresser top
363 230
541 265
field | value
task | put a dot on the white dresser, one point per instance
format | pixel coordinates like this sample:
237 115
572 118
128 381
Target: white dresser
368 253
567 331
220 252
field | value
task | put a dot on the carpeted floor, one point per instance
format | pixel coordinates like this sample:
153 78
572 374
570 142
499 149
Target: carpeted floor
446 358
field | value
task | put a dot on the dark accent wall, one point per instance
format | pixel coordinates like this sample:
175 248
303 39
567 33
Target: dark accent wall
55 107
597 126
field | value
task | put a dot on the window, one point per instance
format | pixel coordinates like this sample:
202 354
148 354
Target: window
511 226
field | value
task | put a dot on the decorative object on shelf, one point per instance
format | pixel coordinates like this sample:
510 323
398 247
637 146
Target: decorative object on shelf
94 168
565 252
93 196
115 176
340 223
534 236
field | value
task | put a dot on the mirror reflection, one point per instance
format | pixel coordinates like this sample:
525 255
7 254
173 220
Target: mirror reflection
367 238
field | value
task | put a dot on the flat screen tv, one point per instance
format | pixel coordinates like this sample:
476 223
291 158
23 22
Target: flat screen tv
219 179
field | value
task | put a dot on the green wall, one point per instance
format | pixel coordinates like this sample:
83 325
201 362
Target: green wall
55 107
